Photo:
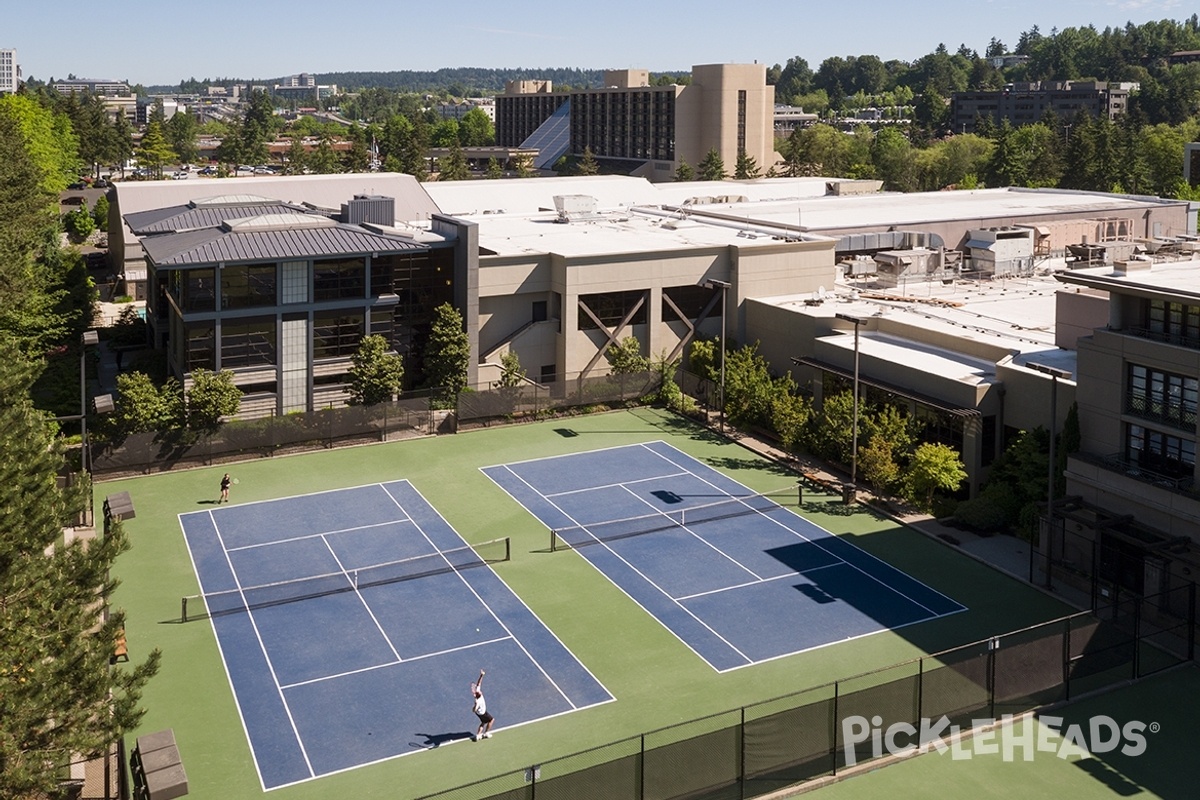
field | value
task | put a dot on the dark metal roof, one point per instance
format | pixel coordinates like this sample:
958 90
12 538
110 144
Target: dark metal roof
217 245
191 217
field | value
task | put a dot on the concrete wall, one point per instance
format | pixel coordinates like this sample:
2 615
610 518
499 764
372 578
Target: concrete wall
706 114
1077 312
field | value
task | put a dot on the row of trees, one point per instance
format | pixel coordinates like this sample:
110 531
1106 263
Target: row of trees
59 696
1136 53
1084 153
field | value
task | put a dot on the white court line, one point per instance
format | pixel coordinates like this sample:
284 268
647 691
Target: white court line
757 582
817 542
363 600
266 656
640 574
693 534
617 485
471 588
386 664
321 534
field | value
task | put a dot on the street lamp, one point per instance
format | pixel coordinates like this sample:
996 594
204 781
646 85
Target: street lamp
857 322
713 283
1054 373
89 339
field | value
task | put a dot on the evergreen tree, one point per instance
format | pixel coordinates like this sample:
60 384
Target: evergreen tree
297 157
155 152
512 375
587 164
59 697
747 167
180 131
376 373
324 159
494 171
453 166
684 172
712 167
447 352
100 213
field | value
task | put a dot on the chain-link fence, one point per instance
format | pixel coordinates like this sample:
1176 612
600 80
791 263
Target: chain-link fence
241 440
423 413
762 748
531 400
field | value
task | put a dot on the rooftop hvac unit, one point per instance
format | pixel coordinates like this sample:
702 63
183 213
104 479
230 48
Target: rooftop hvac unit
574 206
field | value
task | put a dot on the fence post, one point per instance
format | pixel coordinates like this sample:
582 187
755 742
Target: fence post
642 769
1191 616
742 750
1066 660
920 689
834 721
993 646
1137 637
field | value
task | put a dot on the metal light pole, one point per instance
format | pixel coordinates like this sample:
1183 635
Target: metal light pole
857 322
712 283
89 339
1054 374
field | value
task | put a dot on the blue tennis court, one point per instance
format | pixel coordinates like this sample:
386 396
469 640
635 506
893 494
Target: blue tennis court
735 575
352 622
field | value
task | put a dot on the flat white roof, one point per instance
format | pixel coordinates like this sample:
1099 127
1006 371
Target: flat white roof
1166 277
931 360
609 232
904 210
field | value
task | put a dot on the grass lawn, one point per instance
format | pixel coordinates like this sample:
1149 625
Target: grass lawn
656 679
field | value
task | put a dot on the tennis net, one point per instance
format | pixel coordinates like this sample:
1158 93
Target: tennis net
575 536
247 598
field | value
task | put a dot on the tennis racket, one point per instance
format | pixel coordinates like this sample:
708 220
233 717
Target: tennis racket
236 481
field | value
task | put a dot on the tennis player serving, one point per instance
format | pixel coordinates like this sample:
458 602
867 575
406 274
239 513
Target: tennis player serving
480 709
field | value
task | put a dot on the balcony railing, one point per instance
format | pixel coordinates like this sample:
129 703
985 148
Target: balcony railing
1118 462
1174 414
1191 342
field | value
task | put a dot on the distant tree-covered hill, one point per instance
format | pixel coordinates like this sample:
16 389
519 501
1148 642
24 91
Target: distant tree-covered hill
457 81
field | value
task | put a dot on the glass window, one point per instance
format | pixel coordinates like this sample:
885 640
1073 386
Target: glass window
612 307
248 342
339 279
248 286
691 300
194 289
383 324
336 334
201 347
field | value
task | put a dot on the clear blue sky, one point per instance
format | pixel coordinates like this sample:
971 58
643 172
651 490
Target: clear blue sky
164 42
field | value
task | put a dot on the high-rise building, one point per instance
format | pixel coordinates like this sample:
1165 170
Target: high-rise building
727 108
10 71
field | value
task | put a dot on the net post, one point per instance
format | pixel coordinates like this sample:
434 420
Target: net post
508 548
553 541
183 609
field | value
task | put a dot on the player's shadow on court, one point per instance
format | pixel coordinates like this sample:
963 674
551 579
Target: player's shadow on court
206 502
433 740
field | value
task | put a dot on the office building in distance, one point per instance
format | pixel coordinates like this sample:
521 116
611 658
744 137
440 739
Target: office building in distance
1027 103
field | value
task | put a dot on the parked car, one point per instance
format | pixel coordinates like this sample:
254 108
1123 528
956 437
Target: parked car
76 186
101 183
209 170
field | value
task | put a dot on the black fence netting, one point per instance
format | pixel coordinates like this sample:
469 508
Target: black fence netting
535 400
242 440
769 746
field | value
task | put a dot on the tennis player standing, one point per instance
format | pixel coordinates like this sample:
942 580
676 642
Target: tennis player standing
224 489
480 709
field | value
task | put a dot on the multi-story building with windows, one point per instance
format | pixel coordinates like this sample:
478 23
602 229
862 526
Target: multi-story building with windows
1139 379
1027 103
281 294
10 71
728 108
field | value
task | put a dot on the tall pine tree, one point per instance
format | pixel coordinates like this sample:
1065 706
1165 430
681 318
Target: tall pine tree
59 696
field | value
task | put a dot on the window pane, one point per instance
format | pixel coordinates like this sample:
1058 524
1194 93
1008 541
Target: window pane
248 342
336 334
339 279
248 286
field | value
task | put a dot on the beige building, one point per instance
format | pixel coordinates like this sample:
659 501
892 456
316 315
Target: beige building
652 129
